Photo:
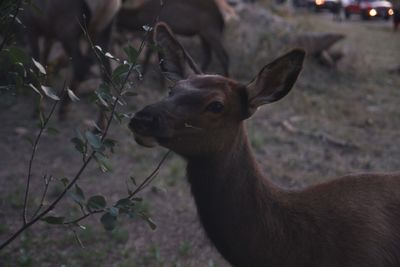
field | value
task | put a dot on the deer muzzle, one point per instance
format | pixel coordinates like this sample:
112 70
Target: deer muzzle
149 126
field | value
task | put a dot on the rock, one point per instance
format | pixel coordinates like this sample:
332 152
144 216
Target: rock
260 36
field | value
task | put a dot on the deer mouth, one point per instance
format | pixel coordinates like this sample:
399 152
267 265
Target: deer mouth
149 135
146 141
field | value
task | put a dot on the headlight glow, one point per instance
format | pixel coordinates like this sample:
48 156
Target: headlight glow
390 12
319 2
373 13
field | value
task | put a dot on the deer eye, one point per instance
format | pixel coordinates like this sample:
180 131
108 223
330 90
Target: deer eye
215 107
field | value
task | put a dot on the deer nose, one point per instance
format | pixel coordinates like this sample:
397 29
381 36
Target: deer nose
145 120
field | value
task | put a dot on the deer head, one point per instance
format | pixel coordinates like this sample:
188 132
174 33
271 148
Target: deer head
203 113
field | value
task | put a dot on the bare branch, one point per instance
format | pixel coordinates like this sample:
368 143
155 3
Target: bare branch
34 149
149 178
46 187
77 220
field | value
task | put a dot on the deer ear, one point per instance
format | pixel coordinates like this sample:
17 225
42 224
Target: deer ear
275 80
175 62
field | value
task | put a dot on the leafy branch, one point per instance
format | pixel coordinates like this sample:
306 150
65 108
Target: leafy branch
10 24
91 146
97 204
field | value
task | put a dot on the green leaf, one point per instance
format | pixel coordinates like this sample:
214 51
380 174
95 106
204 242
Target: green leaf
93 140
147 28
79 144
120 72
35 89
124 202
41 119
79 192
53 220
52 131
126 206
78 134
64 181
110 56
129 94
114 211
17 55
109 221
77 195
39 66
98 48
110 143
150 222
104 163
118 116
96 203
133 180
132 54
72 95
49 92
103 94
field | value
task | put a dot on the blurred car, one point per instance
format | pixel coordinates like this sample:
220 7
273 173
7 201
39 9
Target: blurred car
331 5
369 9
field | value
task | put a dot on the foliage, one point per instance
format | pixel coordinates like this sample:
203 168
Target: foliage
18 71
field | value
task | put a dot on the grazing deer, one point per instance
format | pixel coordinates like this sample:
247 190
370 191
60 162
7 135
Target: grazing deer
351 221
186 17
62 21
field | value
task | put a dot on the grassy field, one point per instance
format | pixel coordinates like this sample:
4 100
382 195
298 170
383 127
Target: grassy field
333 122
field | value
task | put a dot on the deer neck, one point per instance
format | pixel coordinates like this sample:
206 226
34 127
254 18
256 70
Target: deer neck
237 205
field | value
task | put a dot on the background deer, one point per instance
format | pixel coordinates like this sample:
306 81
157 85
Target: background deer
63 21
350 221
186 17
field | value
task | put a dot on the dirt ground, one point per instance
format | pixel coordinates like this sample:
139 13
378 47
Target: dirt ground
334 122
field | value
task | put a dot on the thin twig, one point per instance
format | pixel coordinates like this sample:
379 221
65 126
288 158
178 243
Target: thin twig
52 205
149 178
46 187
34 149
75 221
78 240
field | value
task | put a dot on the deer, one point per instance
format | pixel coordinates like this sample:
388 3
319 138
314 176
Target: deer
200 18
64 21
349 221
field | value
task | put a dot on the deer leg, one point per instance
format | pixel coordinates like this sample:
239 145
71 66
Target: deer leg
80 68
104 42
34 45
207 54
47 45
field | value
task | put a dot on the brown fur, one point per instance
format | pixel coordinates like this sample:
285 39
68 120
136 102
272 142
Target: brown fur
200 18
351 221
62 21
